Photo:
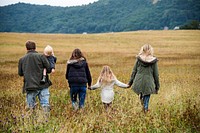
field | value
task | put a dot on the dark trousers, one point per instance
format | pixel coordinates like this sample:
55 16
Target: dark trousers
79 91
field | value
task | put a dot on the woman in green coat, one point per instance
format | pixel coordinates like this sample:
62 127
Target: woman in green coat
145 77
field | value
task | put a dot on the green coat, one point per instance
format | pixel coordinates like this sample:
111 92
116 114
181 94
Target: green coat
31 67
145 77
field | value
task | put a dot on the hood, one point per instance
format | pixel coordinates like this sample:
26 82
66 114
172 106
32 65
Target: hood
77 63
147 60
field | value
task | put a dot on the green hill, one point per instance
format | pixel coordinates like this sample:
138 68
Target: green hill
99 17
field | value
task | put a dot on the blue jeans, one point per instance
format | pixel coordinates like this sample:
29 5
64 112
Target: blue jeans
79 91
145 100
43 96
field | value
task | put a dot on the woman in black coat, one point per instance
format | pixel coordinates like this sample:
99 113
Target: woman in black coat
78 76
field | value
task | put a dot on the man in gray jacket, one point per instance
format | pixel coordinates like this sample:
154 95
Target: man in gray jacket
31 67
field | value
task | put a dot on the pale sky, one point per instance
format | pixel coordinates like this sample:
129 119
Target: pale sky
62 3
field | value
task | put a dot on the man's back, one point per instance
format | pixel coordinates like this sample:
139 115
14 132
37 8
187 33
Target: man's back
31 67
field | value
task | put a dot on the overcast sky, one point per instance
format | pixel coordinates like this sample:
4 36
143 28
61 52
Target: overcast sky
63 3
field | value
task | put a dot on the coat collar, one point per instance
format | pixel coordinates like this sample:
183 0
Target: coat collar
75 60
147 59
31 51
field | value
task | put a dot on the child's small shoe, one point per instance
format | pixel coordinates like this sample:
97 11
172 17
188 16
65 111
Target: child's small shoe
43 80
146 111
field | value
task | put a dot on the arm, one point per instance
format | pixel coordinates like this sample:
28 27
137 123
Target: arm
46 63
55 59
89 78
20 71
133 73
67 71
156 76
97 85
120 84
52 61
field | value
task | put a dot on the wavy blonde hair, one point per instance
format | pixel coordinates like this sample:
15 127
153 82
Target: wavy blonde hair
146 49
106 75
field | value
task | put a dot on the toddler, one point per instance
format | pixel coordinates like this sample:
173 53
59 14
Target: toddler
48 52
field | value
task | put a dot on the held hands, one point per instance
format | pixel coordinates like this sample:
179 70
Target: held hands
128 86
156 91
89 87
52 70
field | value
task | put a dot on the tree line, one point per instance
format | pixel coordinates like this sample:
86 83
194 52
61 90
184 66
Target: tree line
100 17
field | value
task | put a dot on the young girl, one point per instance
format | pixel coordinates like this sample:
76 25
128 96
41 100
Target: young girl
78 76
145 77
106 81
48 52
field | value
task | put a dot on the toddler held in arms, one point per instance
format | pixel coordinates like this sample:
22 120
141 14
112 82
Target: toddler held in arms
48 52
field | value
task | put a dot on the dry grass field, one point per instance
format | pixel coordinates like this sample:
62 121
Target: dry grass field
176 108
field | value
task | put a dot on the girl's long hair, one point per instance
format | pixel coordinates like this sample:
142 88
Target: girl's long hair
146 49
106 75
77 54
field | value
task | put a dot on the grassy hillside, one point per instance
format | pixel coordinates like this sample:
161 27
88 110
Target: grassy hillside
100 17
174 109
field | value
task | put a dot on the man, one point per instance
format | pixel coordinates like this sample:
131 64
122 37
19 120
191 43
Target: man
31 67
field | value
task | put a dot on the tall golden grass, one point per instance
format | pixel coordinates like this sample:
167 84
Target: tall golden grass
175 109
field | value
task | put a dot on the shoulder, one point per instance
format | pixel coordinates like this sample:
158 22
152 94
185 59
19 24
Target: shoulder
21 59
51 58
84 62
147 60
40 57
36 54
31 54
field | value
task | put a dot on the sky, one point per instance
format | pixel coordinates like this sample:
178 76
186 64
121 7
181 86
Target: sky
62 3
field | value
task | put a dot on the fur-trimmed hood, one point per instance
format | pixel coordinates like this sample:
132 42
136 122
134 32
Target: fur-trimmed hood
78 73
147 60
75 61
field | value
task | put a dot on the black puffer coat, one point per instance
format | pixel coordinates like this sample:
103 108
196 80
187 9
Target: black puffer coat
78 73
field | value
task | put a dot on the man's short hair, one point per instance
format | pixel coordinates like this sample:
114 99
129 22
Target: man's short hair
30 45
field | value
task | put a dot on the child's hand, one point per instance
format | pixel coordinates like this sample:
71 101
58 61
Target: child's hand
52 70
128 86
156 91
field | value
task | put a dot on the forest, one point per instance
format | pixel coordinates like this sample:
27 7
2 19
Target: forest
101 16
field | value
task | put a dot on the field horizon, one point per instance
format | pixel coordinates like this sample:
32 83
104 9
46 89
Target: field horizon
174 109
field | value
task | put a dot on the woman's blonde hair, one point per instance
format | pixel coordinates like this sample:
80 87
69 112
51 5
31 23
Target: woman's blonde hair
106 75
146 49
48 50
